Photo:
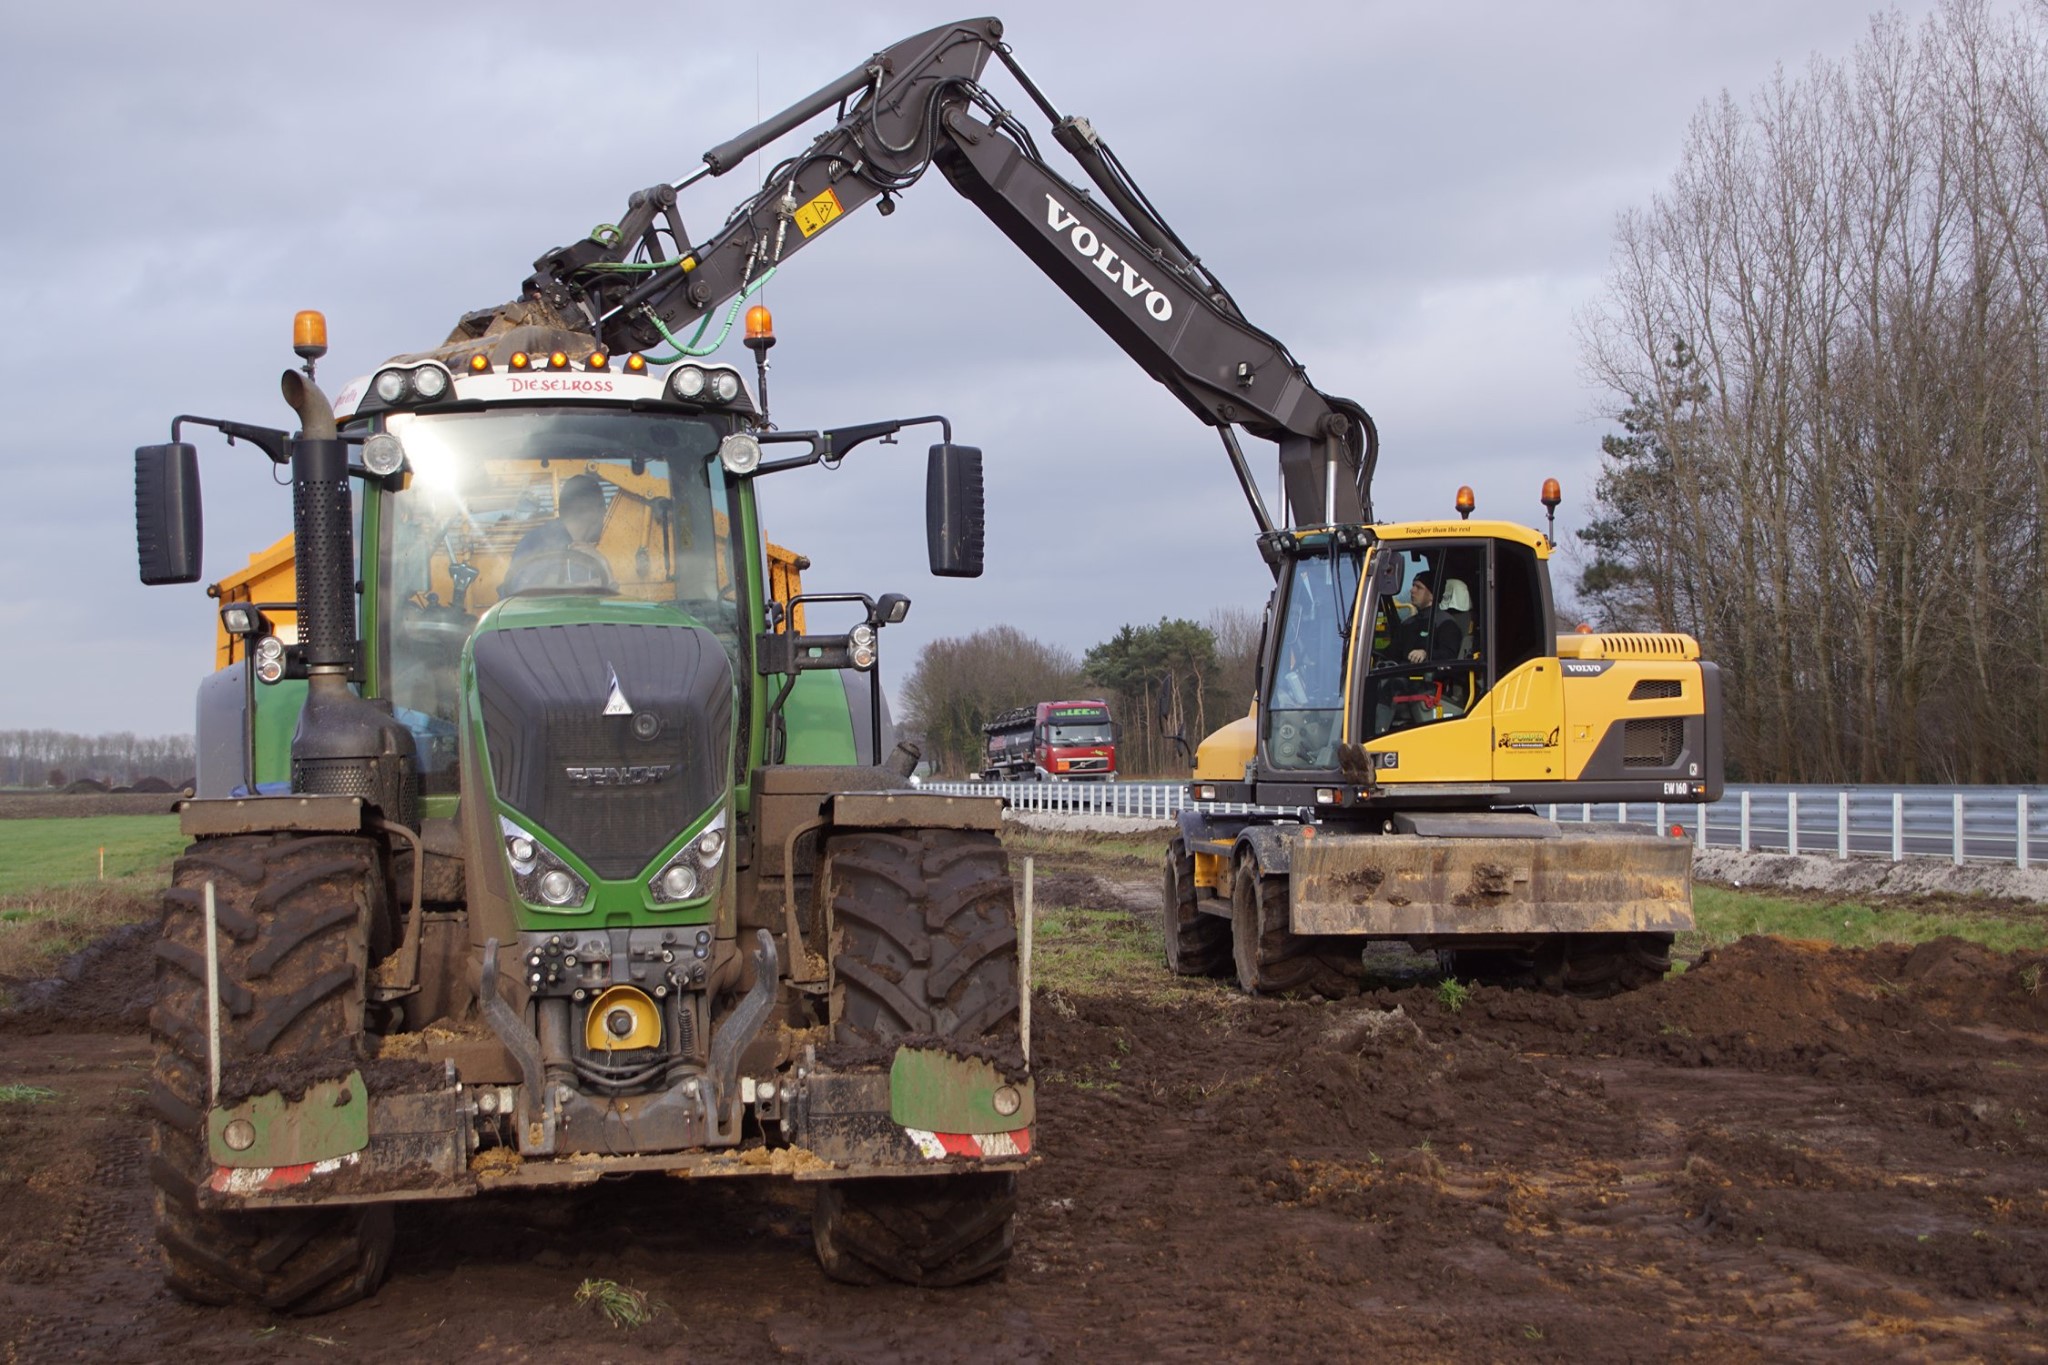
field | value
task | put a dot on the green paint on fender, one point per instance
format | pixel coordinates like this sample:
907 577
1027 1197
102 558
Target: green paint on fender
942 1093
818 722
331 1120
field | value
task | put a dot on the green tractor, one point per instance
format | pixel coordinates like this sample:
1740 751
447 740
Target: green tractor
545 846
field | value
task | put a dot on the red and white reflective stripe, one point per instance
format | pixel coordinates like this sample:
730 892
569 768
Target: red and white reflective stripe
938 1146
256 1179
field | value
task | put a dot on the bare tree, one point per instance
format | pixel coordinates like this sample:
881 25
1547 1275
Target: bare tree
1825 342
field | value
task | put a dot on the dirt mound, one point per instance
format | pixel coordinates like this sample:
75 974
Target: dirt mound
1786 1153
106 986
49 804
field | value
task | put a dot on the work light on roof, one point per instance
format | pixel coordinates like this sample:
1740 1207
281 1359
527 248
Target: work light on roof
389 386
725 385
688 382
430 381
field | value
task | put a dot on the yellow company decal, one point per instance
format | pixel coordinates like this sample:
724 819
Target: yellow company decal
1528 739
814 217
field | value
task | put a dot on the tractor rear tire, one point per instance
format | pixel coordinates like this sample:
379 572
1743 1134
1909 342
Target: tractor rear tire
1196 944
294 915
924 945
1271 960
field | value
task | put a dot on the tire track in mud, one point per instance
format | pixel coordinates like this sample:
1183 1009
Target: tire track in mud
105 1246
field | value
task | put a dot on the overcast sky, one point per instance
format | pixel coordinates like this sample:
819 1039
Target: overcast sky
1416 199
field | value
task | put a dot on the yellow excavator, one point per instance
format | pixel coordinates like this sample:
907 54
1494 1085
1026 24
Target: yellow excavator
1398 791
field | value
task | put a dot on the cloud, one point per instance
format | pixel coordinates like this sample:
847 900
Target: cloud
1413 198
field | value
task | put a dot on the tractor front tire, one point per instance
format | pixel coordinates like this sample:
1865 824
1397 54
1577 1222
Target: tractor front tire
293 916
924 945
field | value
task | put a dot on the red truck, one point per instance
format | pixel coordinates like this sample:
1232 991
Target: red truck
1053 741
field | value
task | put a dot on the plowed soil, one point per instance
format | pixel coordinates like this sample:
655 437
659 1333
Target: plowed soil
1787 1152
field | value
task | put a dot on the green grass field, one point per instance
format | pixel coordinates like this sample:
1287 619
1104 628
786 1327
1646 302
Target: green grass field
1726 915
52 901
38 855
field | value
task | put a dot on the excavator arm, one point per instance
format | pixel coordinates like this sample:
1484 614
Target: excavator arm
645 282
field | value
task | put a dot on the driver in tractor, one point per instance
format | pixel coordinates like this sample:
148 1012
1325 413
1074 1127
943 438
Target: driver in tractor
563 553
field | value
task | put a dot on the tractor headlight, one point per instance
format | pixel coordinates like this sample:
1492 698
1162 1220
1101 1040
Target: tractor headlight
861 645
382 453
539 877
739 453
686 875
725 385
430 381
269 657
390 385
688 382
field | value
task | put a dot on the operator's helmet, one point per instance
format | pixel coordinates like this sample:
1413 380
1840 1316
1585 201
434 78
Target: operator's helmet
1456 596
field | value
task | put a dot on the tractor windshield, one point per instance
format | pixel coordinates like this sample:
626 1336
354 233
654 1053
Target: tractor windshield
539 501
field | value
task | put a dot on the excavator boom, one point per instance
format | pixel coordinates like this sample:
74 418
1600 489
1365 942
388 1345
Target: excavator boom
645 282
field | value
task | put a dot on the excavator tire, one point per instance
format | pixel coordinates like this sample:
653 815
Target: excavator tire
1589 966
924 944
293 916
1595 966
1272 961
1196 944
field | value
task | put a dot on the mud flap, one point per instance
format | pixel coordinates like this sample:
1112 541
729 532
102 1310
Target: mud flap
931 1113
414 1145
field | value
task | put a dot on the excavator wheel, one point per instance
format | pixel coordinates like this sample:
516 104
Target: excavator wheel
1272 961
1595 966
293 916
1196 944
924 944
1589 966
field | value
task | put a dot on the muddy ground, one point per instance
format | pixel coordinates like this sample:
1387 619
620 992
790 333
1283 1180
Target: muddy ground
1786 1152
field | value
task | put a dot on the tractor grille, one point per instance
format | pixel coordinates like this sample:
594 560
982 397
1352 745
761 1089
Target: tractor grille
614 796
1656 689
1652 743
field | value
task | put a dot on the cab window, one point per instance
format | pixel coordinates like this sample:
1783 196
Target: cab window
1430 636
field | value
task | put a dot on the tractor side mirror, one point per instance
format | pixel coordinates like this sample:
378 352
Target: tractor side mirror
954 524
167 520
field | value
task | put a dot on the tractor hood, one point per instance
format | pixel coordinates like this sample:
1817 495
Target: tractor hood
608 723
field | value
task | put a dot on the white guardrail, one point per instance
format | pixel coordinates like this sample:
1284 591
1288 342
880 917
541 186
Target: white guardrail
1961 824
